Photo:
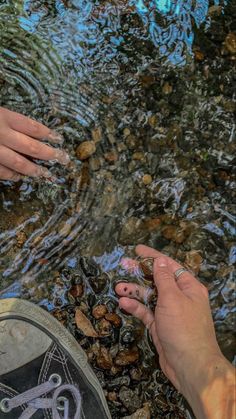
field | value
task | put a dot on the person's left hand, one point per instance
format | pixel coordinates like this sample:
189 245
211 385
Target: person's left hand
19 137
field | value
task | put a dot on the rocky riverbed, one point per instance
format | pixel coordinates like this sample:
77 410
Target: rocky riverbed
151 135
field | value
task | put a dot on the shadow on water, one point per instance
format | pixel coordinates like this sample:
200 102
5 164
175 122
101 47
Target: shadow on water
151 83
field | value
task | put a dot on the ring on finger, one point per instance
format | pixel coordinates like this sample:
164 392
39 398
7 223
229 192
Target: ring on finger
179 272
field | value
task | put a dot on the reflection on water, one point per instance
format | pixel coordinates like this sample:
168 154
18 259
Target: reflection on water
150 82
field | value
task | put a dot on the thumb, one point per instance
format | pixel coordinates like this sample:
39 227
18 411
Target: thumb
163 276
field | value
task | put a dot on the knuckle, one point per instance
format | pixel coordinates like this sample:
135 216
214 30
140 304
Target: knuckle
18 164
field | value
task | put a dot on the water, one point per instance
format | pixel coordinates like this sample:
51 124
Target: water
152 82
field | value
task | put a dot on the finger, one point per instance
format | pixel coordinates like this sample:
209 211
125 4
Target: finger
186 282
7 174
138 310
147 252
163 276
124 289
18 163
30 127
30 147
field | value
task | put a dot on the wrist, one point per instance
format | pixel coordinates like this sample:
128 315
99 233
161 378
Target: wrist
210 390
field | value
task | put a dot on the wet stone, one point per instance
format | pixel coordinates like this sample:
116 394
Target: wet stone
114 319
76 290
104 327
133 231
230 43
143 413
104 359
127 357
85 150
130 399
99 311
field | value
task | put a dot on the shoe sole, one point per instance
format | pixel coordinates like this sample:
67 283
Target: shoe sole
24 310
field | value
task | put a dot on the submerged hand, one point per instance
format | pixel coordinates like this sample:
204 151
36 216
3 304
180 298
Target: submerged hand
19 137
181 328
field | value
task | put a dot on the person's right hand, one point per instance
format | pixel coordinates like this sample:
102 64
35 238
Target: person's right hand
20 137
181 328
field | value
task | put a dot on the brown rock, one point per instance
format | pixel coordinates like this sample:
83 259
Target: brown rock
111 157
112 396
127 357
152 224
77 290
97 134
147 179
104 327
193 261
139 155
104 359
230 43
114 319
99 311
84 324
143 413
167 88
85 150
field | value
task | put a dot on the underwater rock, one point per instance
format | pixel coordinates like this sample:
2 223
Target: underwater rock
99 311
114 319
84 324
97 134
193 260
76 290
230 43
104 327
143 413
104 359
133 231
85 150
130 399
147 179
127 357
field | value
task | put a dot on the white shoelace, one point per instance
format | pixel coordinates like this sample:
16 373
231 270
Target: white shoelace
32 398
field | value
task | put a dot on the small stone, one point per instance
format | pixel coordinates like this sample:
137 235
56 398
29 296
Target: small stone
104 359
104 327
230 43
199 56
143 413
114 319
97 134
133 231
21 238
153 121
130 399
64 230
167 88
193 260
112 396
127 357
153 224
111 157
139 155
77 290
85 150
126 132
147 179
99 311
132 142
174 233
95 164
136 374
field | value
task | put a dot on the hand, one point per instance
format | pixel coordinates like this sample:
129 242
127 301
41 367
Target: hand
19 137
181 328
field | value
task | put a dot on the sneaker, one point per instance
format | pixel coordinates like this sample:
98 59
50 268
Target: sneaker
44 373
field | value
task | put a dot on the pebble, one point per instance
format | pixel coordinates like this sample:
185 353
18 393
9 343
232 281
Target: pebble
85 150
143 413
167 88
114 319
99 311
126 132
76 290
127 357
130 399
230 43
147 179
97 134
133 231
193 260
104 327
111 157
104 359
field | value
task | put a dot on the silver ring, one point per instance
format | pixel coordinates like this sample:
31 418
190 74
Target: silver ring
179 272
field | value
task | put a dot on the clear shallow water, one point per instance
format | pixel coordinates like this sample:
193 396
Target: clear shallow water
152 82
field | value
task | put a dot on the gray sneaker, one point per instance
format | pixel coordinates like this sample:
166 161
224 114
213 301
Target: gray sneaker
44 373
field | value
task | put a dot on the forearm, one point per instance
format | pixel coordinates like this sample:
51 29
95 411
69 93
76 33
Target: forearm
211 393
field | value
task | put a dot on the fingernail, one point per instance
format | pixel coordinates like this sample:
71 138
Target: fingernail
62 157
161 262
43 172
55 137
